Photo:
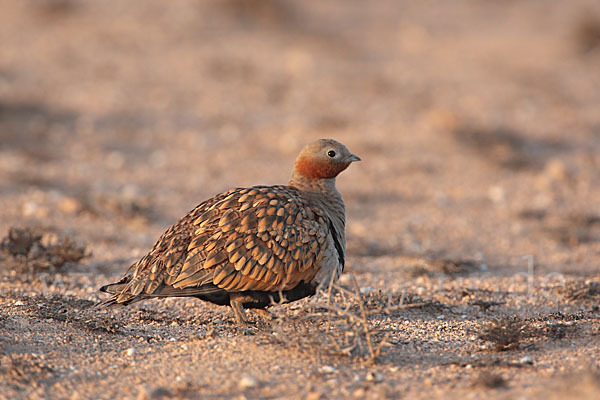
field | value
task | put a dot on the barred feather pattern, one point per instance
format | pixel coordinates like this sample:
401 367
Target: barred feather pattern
264 238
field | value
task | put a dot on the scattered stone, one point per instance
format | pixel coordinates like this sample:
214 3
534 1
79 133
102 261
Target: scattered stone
247 382
314 396
327 369
497 194
69 205
526 360
556 170
130 351
346 280
34 209
375 376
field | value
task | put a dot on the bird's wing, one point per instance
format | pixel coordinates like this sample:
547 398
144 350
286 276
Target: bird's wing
262 238
147 276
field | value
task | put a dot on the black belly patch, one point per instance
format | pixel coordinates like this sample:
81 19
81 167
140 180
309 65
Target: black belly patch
262 299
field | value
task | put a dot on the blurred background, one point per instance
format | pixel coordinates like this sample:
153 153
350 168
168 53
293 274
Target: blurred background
478 121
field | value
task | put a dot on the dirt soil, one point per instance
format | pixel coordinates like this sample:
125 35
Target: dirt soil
473 224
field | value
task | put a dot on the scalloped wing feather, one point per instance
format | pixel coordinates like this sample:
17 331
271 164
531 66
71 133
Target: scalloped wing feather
260 238
251 246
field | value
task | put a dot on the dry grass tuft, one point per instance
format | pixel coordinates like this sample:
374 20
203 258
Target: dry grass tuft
443 266
338 322
505 333
509 332
344 322
490 380
559 330
581 291
70 310
22 371
34 250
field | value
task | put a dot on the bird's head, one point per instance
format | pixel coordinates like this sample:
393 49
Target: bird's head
323 159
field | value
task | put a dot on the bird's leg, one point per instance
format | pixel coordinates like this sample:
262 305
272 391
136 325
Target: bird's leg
236 300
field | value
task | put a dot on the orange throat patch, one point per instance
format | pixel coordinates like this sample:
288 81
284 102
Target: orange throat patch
319 169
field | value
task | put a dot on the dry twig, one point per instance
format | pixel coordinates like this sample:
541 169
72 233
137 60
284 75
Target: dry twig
345 321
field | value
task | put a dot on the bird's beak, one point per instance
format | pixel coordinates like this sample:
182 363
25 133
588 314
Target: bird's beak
353 157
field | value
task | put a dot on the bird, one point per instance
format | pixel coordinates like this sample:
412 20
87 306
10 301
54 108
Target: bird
250 248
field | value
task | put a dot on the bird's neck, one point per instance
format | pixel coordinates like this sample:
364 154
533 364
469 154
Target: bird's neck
323 187
324 192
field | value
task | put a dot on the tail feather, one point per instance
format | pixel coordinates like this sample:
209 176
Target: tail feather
119 293
116 289
113 288
113 302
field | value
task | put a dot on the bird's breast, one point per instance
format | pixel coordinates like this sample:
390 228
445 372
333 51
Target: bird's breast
331 265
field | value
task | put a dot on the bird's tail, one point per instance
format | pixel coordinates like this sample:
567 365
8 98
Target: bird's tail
113 288
119 298
116 289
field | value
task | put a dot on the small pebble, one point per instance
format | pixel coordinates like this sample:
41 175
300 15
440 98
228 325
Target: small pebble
526 360
327 369
345 279
314 396
247 382
375 376
130 351
19 303
69 205
497 194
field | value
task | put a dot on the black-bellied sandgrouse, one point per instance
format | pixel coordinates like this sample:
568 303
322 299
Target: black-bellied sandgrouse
250 248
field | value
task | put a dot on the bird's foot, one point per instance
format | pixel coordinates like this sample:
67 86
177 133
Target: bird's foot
236 301
265 315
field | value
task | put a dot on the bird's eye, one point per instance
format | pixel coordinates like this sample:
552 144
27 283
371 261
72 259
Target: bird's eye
331 153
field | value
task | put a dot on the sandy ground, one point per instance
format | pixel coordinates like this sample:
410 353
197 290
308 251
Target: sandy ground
473 220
